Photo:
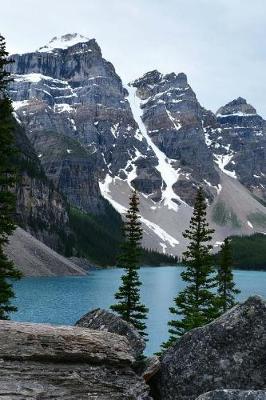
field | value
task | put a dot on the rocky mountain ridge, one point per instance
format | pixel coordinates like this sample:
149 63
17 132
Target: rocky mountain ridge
96 138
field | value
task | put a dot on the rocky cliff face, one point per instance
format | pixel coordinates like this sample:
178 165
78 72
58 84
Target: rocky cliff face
173 118
244 136
96 138
237 141
40 208
72 104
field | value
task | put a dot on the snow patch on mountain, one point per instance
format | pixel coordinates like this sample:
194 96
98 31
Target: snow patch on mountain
161 233
222 160
235 114
63 42
18 104
168 173
35 77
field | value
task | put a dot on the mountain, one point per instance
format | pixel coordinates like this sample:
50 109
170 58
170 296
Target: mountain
96 139
40 208
244 143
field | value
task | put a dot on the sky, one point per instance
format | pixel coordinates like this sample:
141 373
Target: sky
219 44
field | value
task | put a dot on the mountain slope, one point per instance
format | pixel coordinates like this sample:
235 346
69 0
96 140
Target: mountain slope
34 258
97 139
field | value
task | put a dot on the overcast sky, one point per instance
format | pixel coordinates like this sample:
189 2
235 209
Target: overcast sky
219 44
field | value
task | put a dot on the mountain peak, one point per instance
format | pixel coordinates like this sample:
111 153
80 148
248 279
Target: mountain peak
63 42
238 107
154 77
149 78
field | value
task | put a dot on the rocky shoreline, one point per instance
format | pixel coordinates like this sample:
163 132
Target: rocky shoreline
225 360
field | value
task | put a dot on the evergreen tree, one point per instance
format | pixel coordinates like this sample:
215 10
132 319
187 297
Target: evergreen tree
226 285
128 295
7 181
196 304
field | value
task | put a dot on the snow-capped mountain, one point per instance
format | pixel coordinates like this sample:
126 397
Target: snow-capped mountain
63 42
97 137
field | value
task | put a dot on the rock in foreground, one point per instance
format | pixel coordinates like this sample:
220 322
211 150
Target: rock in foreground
234 395
104 320
228 353
40 361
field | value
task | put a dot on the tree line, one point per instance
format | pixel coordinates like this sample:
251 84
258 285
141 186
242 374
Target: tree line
208 293
7 182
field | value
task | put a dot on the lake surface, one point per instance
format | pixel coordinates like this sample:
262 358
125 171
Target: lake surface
63 300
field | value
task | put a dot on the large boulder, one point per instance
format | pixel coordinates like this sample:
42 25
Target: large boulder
233 394
39 361
228 353
104 320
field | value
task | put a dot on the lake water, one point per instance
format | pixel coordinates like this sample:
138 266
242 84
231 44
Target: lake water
63 300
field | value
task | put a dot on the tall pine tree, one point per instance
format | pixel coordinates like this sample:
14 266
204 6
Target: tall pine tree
196 304
129 306
225 278
7 181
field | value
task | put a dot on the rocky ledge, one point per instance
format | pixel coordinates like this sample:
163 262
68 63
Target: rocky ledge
39 361
104 320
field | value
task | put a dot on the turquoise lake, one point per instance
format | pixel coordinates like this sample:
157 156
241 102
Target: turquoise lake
63 300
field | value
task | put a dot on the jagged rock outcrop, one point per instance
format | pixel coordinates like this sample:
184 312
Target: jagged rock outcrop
228 353
173 119
238 142
104 320
231 394
40 208
49 362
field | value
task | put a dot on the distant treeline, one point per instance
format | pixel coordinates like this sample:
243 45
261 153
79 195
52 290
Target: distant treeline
249 252
98 238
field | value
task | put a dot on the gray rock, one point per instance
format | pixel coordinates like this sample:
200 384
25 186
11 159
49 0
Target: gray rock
173 118
106 321
40 208
240 135
231 394
228 353
40 361
151 368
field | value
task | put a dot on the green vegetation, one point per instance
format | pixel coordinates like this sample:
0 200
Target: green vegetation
129 306
96 237
196 304
223 216
7 182
226 286
248 252
152 257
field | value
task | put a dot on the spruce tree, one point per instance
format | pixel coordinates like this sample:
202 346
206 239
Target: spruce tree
7 182
129 306
196 304
225 278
